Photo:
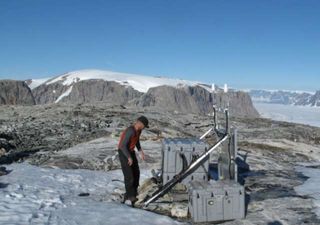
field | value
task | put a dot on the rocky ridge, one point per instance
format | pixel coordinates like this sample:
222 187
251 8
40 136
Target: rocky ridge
286 97
13 92
183 99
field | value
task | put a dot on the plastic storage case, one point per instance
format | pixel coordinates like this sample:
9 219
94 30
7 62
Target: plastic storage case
216 201
177 152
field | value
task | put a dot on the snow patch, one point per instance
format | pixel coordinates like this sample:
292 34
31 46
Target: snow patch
66 93
37 82
311 186
34 195
138 82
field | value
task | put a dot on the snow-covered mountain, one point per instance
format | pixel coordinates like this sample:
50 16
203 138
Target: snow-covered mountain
63 85
299 98
138 82
160 93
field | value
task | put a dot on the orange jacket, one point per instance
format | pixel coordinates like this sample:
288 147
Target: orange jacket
129 139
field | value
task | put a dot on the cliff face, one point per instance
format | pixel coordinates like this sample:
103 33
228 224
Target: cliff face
14 92
44 94
99 90
84 92
240 103
187 99
195 99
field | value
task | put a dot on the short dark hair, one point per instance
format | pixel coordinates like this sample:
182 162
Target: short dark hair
144 120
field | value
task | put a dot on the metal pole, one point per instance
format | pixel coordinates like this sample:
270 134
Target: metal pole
179 177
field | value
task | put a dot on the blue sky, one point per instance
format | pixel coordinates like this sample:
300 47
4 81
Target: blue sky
272 44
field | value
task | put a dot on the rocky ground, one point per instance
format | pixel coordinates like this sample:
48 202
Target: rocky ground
85 136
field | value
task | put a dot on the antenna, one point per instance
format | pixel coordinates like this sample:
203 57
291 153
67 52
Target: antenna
225 89
213 88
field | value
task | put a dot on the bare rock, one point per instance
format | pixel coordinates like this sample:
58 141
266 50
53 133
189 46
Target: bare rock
197 100
2 152
86 91
13 92
3 171
179 210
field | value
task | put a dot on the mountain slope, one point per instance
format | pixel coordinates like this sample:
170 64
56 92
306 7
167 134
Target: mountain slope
33 83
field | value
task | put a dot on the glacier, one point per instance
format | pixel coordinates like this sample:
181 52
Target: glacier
290 113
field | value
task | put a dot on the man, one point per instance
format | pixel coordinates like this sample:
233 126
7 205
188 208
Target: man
129 139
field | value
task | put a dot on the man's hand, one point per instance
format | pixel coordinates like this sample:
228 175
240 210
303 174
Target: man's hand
130 161
142 156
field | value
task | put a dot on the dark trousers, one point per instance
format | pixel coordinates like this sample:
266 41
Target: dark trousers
131 174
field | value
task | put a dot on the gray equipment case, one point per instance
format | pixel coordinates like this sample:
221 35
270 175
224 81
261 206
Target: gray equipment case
216 201
180 152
